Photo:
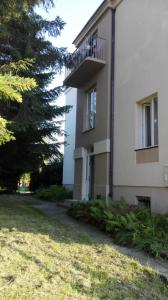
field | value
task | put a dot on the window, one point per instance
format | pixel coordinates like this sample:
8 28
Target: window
148 123
144 201
91 109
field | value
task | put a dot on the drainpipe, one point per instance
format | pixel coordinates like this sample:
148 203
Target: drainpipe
111 167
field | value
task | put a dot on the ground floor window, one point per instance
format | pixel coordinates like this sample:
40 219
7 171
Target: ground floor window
148 122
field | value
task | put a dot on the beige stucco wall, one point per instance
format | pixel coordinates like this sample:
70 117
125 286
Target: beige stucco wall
159 196
101 179
101 131
141 69
102 82
101 175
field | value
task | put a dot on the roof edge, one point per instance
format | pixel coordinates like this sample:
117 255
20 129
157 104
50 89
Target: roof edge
106 4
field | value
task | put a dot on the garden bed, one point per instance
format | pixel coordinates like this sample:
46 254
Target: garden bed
132 226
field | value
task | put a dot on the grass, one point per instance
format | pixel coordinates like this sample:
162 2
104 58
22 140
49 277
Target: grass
41 259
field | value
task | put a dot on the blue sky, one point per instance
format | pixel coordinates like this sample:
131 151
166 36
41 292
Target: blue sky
75 13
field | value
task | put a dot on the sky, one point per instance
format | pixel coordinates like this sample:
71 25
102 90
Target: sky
75 13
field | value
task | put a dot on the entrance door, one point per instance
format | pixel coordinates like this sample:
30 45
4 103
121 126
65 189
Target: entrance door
90 177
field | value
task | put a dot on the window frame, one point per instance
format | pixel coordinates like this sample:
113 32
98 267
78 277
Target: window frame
144 201
145 124
89 111
142 123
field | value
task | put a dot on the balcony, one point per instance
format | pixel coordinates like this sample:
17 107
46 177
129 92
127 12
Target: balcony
88 59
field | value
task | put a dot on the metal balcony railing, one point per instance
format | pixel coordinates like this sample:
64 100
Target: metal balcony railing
92 47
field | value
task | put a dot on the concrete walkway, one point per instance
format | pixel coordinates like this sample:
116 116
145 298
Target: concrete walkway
58 213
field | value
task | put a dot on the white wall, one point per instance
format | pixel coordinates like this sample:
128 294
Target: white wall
70 128
141 69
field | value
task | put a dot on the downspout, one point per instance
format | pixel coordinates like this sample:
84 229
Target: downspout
111 167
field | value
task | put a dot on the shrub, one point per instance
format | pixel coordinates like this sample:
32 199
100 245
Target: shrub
54 193
128 225
81 211
96 210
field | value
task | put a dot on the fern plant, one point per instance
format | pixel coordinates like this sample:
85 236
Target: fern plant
129 225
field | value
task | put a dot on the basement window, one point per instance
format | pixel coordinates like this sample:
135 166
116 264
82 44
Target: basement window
144 201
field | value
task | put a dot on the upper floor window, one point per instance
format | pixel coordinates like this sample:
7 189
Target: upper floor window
148 127
91 109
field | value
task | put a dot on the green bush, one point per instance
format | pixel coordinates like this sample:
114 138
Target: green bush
96 211
54 193
81 211
128 225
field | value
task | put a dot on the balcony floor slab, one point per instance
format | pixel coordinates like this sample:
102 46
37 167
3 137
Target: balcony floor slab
84 72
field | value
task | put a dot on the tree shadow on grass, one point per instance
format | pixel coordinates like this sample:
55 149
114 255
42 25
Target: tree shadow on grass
15 214
102 285
88 268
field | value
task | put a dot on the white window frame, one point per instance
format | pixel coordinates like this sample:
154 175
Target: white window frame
142 131
90 113
144 125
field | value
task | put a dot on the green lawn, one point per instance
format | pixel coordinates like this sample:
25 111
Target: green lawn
41 259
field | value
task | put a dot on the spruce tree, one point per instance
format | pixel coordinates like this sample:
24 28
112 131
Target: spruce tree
35 120
11 88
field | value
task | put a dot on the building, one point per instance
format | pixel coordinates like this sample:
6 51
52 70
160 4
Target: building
70 127
121 72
